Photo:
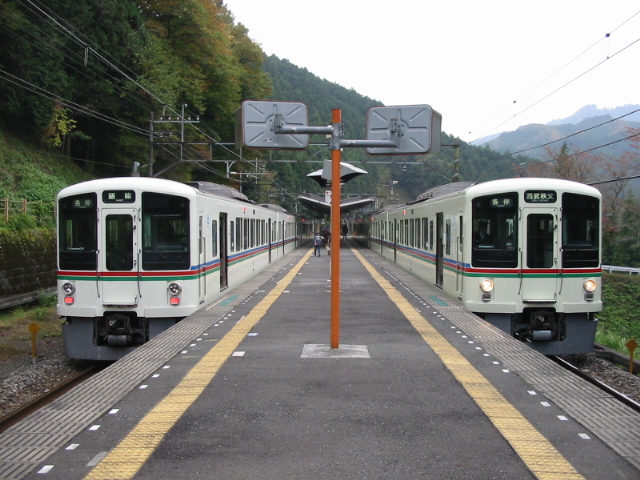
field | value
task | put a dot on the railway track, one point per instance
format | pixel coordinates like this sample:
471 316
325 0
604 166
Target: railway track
42 400
594 381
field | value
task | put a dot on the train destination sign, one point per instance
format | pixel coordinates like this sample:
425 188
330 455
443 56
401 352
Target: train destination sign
540 196
84 202
118 196
502 202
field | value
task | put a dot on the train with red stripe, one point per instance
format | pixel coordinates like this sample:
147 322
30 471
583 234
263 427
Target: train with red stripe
522 253
136 255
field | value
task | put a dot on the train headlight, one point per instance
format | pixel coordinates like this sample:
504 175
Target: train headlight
486 285
174 289
590 285
68 288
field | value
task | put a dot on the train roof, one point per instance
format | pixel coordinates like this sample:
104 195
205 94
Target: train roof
220 190
444 190
532 183
507 184
156 184
124 183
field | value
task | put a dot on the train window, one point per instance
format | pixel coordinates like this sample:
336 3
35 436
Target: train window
447 238
77 238
425 233
253 232
165 232
405 233
580 231
238 234
495 233
233 243
214 238
430 234
540 230
412 232
119 242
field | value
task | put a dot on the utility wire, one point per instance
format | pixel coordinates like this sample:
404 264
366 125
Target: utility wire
555 73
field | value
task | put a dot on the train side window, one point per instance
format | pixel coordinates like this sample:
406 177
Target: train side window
232 235
425 233
430 234
447 238
238 234
412 232
405 232
214 238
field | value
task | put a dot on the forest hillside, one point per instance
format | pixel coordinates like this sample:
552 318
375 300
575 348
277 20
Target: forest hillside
109 87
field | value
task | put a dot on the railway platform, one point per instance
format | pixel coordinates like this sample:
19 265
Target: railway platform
249 387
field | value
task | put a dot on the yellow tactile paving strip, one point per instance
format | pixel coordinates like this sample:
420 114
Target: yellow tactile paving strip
540 456
124 461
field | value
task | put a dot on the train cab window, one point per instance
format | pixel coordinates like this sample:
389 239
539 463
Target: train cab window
580 231
165 232
495 234
77 238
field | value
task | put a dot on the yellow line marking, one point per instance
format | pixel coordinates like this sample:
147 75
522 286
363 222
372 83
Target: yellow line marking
538 454
124 461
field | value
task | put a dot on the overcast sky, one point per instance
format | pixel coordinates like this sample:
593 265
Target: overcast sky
486 66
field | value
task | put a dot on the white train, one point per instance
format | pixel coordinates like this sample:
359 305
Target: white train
522 253
136 255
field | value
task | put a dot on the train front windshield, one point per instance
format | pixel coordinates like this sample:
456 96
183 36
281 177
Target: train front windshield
580 231
165 232
495 231
77 228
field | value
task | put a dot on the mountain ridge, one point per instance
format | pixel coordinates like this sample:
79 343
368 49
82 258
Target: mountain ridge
578 131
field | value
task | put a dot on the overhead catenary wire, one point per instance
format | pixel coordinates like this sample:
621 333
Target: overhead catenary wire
608 57
87 46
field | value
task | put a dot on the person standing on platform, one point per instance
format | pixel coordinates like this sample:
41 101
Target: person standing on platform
317 243
345 230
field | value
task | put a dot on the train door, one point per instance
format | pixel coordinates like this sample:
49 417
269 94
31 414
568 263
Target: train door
118 254
540 256
202 261
269 239
439 250
224 253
